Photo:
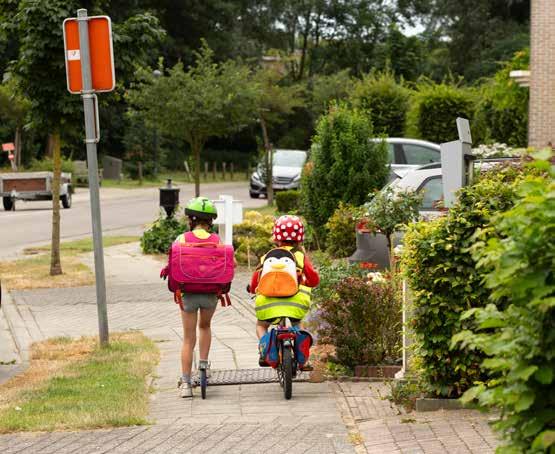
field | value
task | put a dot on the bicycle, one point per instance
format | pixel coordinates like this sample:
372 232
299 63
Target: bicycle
288 366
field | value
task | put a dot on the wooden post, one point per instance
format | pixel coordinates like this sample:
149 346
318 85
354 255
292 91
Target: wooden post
214 165
205 170
248 172
224 166
232 170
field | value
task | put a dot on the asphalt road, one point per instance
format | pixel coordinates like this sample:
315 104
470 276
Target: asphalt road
124 212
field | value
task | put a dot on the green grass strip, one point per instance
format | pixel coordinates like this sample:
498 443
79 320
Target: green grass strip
105 389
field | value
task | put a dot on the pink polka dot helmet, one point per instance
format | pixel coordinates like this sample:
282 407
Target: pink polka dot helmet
288 228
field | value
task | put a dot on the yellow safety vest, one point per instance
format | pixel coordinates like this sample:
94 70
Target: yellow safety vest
295 306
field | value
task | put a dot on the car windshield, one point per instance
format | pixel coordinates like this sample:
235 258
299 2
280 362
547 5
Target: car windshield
289 158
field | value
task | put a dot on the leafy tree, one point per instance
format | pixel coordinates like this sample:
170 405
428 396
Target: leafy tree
325 89
275 101
38 25
14 107
390 211
344 165
207 100
480 32
41 75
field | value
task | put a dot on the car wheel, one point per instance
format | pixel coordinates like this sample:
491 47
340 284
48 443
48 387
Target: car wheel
66 200
254 195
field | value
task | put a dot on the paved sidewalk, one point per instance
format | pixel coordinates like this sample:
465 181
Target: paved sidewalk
321 417
240 418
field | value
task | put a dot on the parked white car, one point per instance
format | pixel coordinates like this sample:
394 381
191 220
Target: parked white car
409 154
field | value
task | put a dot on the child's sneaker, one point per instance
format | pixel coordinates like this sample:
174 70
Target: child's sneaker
185 389
307 368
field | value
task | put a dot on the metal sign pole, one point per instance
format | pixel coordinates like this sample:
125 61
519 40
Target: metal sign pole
91 138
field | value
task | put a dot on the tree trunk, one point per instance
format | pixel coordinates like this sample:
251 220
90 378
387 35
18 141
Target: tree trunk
18 147
196 148
306 32
55 262
49 146
269 163
390 252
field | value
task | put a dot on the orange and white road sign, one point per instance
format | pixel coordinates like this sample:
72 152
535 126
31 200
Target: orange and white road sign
8 146
101 54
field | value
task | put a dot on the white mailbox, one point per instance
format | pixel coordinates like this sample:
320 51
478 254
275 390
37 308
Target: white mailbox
230 212
456 162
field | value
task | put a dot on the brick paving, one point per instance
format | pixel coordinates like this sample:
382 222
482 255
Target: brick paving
384 428
321 417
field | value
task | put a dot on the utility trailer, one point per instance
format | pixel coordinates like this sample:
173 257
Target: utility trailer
31 186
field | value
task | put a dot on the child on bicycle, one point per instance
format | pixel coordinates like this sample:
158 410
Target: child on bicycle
284 278
194 307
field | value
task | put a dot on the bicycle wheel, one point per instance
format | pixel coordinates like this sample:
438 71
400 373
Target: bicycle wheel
203 382
287 370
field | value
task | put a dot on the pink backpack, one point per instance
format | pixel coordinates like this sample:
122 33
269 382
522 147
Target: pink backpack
200 266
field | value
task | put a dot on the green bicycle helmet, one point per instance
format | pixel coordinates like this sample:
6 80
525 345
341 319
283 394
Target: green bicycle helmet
201 208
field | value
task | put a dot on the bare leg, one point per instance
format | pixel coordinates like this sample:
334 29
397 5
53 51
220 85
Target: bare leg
261 328
189 320
205 332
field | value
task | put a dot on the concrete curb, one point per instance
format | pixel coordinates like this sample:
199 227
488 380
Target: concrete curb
430 404
20 336
18 328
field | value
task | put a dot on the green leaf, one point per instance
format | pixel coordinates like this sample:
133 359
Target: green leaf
523 372
544 440
544 375
472 394
525 401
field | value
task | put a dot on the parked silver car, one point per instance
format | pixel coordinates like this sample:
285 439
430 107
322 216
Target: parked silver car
287 168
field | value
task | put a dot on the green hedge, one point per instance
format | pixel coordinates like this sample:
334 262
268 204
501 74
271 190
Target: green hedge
444 281
434 109
287 201
517 329
385 100
158 238
344 165
502 113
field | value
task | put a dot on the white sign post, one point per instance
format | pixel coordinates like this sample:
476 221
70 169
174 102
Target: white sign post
230 212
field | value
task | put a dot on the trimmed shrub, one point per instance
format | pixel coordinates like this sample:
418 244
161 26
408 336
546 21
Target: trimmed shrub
47 165
516 331
158 238
253 237
502 113
363 321
287 201
442 275
434 109
341 234
344 165
385 100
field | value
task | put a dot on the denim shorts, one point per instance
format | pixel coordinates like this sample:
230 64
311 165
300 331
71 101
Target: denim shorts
192 302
